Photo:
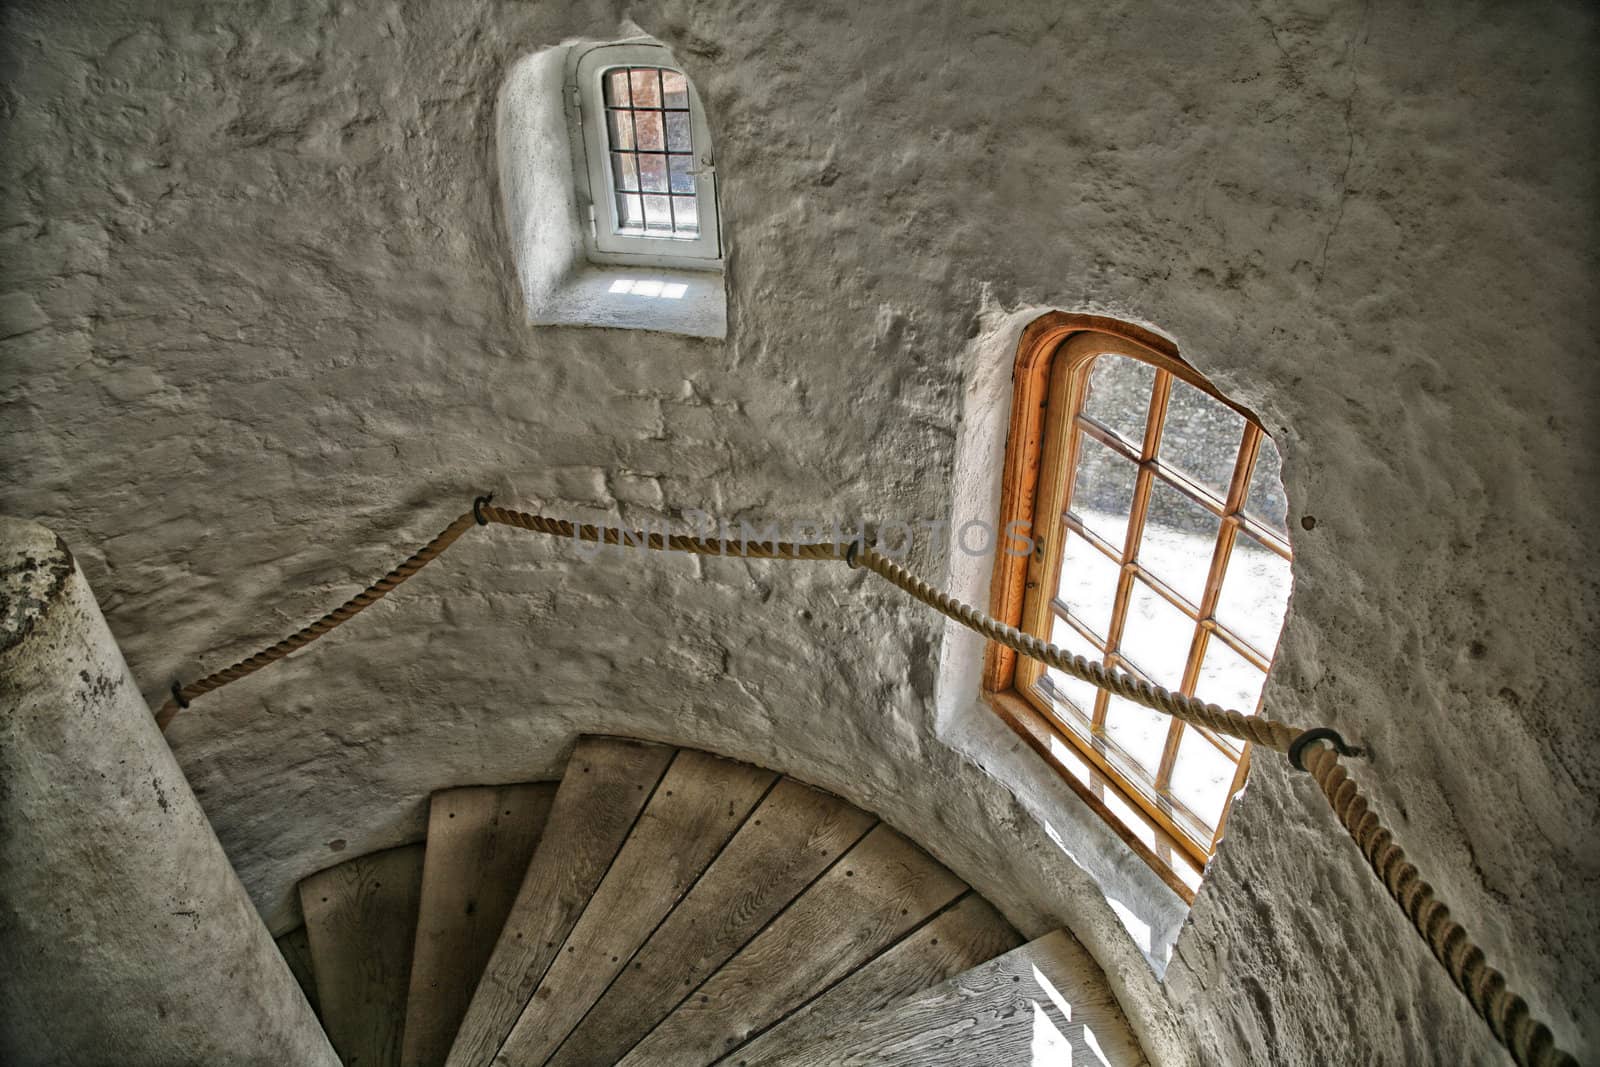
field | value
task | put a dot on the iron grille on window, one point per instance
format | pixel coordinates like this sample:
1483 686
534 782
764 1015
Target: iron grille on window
652 152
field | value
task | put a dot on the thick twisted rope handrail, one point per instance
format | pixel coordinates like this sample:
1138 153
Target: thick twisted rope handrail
1316 750
610 535
482 514
182 695
1529 1041
1265 732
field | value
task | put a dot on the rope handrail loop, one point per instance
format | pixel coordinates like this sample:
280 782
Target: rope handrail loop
1297 747
1317 750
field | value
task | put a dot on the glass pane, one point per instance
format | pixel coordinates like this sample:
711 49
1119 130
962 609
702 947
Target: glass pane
1179 540
647 127
682 180
615 85
688 214
678 131
1088 584
622 170
646 87
657 213
675 89
653 173
1266 500
1229 680
1119 395
1255 593
630 212
1201 437
1201 777
620 126
1081 693
1102 496
1138 731
1156 636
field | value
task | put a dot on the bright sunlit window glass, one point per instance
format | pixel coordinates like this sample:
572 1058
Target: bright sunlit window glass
1169 558
651 150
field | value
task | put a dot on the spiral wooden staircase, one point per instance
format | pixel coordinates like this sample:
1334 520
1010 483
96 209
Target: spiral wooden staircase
664 906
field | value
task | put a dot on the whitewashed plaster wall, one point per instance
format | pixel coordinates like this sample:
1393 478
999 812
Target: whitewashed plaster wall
262 335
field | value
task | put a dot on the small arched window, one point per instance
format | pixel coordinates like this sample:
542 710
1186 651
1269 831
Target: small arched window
1161 549
647 156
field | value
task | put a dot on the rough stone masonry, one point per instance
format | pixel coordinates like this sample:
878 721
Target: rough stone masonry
262 334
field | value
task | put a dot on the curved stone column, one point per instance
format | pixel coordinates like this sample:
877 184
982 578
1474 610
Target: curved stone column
125 936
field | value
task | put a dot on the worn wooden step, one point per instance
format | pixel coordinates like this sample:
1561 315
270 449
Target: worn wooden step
296 949
606 785
360 920
700 803
874 894
790 838
480 840
968 933
1043 1003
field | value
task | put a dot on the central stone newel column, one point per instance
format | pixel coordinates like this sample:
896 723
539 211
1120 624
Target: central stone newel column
125 936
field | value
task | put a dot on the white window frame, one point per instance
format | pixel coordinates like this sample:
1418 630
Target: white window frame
604 243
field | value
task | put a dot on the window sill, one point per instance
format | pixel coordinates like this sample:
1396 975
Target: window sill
1146 838
691 303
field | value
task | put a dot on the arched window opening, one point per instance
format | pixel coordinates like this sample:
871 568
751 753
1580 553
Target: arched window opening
648 159
1161 549
610 200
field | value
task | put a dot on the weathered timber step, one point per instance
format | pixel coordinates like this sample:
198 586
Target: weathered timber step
360 921
480 840
697 807
880 889
961 937
606 785
1044 1003
296 949
790 839
661 907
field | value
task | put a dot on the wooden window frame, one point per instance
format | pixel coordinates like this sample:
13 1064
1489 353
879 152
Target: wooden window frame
606 241
1050 371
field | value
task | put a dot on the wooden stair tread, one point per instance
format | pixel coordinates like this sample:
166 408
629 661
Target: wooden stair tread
480 840
788 840
1043 1003
607 783
968 933
360 920
879 890
664 906
699 805
296 949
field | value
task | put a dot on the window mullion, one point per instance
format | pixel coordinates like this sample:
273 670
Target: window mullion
1238 488
1160 397
1249 445
638 171
1142 486
1191 672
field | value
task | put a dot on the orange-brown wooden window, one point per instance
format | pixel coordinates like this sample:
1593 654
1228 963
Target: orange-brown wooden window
1161 550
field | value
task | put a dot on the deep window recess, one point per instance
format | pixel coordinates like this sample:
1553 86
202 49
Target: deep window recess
649 165
1162 550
